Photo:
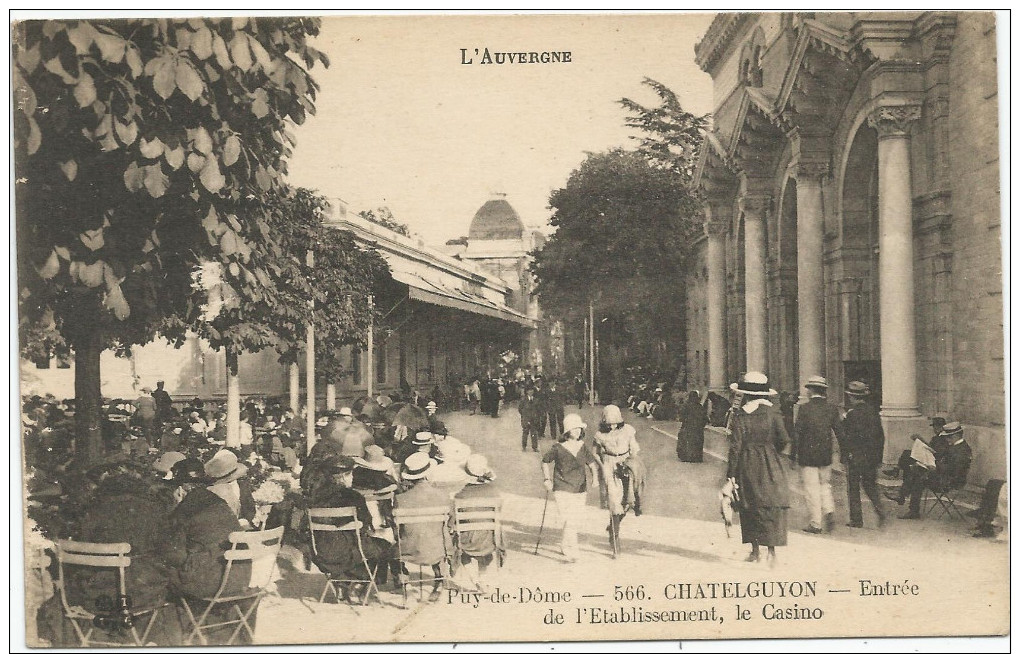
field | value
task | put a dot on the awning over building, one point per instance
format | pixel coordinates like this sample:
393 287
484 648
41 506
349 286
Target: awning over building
423 290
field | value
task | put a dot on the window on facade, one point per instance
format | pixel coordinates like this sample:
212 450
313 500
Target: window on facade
380 363
751 60
356 366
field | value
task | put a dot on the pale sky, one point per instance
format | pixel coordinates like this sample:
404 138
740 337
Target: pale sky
402 122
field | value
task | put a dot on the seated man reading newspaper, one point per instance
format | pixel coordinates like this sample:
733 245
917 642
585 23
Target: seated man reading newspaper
941 466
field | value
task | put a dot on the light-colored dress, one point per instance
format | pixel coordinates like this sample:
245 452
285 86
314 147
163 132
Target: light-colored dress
611 449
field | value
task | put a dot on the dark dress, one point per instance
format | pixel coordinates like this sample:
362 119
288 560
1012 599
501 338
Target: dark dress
754 461
690 442
198 536
337 551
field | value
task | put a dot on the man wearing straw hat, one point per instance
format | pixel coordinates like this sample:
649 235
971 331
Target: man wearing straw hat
424 543
862 445
816 422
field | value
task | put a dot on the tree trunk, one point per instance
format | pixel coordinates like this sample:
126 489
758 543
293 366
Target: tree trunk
88 396
330 396
233 401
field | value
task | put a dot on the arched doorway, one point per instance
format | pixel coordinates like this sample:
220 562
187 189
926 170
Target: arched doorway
782 291
858 355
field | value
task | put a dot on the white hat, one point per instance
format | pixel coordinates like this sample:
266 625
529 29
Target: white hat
572 421
346 411
753 383
224 468
611 415
416 465
477 466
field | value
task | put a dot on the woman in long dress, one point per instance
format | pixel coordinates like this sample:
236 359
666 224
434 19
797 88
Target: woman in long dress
758 436
615 444
690 442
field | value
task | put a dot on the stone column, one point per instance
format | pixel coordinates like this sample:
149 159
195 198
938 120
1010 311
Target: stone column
810 271
755 314
896 260
716 261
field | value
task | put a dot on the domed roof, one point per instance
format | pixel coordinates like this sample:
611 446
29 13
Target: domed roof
496 220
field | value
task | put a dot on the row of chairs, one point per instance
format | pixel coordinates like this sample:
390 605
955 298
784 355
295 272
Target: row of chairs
468 515
252 546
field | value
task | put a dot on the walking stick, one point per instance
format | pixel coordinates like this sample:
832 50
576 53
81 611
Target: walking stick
541 528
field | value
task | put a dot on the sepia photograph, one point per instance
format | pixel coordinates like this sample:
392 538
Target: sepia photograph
508 328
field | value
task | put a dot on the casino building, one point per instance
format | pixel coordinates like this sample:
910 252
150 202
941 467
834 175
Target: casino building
852 223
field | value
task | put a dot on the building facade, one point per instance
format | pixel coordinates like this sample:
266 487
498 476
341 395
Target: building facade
852 214
499 244
442 321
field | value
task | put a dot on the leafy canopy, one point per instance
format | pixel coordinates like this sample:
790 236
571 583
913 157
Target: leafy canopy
625 225
143 148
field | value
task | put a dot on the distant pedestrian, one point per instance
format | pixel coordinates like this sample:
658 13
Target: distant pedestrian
757 437
690 441
145 414
529 409
580 390
862 446
541 402
816 423
554 400
164 404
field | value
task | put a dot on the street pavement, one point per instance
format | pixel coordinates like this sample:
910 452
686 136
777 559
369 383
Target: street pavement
680 538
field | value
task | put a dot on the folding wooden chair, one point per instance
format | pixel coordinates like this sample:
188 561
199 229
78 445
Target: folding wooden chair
436 515
479 514
944 499
257 546
99 555
344 519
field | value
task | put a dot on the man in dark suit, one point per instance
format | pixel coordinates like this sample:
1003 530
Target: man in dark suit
953 457
554 400
816 422
529 409
862 445
541 402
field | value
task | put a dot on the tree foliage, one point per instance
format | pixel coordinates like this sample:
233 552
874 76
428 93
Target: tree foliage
625 225
340 281
145 148
670 136
384 217
136 143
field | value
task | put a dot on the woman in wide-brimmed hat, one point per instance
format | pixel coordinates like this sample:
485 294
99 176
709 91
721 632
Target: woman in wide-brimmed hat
199 528
757 437
223 471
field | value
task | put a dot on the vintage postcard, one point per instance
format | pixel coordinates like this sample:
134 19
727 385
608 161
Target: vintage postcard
509 328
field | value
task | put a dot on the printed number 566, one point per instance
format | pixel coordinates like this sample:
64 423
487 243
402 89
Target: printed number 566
629 593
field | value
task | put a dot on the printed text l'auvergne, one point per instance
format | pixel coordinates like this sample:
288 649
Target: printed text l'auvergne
484 56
